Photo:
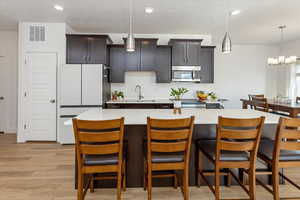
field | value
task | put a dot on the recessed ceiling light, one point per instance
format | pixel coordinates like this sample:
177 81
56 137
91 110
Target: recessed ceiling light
58 7
235 12
149 10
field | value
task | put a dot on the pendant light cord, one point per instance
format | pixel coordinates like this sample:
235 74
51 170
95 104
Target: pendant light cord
227 15
130 17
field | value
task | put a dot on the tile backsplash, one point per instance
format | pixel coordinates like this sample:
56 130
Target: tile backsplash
153 90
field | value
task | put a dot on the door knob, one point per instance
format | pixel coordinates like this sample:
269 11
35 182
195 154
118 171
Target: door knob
1 98
52 101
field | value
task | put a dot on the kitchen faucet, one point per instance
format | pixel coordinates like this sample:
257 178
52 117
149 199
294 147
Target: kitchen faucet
140 92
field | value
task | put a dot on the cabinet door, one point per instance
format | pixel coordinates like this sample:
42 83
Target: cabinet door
70 93
97 53
117 64
77 48
148 54
207 65
163 69
179 53
192 52
92 84
133 59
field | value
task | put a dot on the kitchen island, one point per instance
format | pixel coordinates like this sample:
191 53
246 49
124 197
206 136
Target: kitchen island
135 134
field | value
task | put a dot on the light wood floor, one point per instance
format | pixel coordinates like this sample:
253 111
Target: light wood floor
35 171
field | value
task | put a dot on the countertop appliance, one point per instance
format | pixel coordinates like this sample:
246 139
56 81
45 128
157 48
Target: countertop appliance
186 73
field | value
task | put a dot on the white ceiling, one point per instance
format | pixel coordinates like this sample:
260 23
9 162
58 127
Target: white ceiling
257 24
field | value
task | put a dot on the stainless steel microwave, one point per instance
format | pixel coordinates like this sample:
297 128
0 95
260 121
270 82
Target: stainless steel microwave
186 73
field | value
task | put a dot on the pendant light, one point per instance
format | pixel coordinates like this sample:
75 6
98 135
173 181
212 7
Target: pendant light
280 60
226 44
130 43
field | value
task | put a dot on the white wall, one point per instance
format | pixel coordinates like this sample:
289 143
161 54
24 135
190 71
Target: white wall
292 48
238 74
9 49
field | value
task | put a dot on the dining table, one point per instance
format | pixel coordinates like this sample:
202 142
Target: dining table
292 109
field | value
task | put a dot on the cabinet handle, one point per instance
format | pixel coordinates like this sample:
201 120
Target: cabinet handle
186 53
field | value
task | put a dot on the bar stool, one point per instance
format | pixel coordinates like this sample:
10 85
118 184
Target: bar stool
284 152
168 149
99 153
236 146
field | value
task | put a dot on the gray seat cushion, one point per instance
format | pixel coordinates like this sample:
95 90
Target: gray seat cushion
209 148
167 158
266 148
91 160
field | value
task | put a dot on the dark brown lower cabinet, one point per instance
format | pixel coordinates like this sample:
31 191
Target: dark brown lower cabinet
139 106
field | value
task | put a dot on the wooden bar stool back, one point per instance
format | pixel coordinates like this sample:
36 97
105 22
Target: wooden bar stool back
284 152
236 146
99 149
168 148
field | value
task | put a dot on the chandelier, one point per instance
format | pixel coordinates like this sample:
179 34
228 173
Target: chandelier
280 60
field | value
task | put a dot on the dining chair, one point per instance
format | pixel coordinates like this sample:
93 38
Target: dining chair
236 146
260 104
99 153
168 149
255 95
283 152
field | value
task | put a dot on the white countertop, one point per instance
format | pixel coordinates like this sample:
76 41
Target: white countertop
202 116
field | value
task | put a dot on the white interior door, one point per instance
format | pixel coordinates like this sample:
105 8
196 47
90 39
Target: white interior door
41 94
2 94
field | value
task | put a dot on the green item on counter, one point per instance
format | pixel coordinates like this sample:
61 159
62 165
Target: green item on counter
177 93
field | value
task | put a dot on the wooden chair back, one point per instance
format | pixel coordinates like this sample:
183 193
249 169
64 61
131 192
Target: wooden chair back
287 137
251 96
169 136
260 104
239 135
255 95
98 138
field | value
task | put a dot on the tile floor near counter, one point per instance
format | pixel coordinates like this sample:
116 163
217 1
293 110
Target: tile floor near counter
35 171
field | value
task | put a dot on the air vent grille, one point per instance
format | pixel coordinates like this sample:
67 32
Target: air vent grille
37 33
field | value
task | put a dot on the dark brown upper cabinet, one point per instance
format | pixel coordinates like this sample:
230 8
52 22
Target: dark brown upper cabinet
185 52
207 64
87 49
148 54
133 59
143 58
117 64
163 67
